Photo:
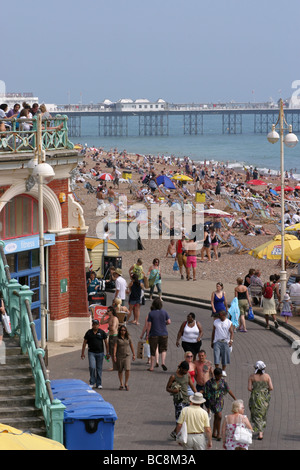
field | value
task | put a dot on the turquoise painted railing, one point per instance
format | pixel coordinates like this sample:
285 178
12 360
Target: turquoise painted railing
17 140
17 300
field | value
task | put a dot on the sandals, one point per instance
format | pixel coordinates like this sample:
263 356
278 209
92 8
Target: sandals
121 387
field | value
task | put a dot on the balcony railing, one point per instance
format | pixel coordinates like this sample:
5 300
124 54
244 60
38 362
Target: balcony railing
20 135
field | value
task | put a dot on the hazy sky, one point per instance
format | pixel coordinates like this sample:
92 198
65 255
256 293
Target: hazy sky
182 51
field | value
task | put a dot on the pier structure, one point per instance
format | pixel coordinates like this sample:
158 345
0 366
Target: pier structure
118 123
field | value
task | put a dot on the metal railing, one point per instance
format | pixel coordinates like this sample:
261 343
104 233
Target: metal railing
21 135
17 300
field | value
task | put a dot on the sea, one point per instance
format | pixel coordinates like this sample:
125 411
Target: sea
236 150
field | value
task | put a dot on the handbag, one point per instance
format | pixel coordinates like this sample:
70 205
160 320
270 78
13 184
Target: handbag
6 323
181 437
242 434
250 314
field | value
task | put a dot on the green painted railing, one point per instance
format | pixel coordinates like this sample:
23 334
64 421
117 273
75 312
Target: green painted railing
18 140
17 300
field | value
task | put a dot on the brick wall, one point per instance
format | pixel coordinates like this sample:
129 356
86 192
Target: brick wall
67 261
61 186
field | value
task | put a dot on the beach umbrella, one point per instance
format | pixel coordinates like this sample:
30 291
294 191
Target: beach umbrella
293 228
182 178
272 249
297 187
106 177
287 188
216 213
14 439
257 182
166 181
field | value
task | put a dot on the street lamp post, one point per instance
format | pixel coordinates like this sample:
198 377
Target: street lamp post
290 140
44 173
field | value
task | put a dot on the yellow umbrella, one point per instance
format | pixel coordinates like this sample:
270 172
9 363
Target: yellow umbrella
293 228
182 178
272 249
14 439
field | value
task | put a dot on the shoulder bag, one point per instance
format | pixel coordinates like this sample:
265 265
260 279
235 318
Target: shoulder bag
242 434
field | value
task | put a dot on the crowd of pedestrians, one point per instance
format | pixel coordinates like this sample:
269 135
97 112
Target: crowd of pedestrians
198 386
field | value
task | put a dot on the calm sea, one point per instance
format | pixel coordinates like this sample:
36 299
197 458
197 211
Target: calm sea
247 148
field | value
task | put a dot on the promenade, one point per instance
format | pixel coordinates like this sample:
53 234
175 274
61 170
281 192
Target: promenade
146 413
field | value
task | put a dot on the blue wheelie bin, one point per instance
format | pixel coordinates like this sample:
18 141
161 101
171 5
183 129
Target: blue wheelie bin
89 425
71 384
82 394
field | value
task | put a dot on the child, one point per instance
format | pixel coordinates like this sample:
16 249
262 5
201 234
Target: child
286 311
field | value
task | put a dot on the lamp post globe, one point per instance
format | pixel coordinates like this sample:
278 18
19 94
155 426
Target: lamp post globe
291 140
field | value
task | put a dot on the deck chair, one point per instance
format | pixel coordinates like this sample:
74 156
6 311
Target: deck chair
237 244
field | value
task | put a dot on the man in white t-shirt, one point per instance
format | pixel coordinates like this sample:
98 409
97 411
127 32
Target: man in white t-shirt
221 340
121 285
294 288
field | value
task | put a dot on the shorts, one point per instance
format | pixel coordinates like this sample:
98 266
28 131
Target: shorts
181 260
243 306
158 341
123 363
135 302
221 353
191 262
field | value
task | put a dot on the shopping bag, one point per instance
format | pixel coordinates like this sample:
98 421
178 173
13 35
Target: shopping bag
6 323
181 437
250 314
175 266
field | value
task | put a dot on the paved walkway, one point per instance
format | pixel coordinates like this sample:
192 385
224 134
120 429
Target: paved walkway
145 413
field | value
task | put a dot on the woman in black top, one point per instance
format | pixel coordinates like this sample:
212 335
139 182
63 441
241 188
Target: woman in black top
244 301
135 291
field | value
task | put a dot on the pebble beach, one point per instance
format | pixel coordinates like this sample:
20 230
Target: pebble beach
230 264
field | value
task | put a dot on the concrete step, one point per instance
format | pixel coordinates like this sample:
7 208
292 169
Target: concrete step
18 412
33 424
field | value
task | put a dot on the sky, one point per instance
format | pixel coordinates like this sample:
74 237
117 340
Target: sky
189 51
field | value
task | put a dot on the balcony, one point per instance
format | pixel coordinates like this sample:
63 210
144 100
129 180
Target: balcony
21 135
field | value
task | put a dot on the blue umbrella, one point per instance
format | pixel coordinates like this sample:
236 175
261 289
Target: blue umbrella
166 181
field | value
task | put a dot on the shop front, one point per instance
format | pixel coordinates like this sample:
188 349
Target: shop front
19 227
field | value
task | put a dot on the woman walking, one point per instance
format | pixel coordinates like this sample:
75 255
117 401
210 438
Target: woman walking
135 291
244 301
122 348
154 277
229 426
269 305
260 385
190 333
215 390
218 300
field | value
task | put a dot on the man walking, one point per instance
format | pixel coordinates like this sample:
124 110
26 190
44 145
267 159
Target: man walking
94 338
197 423
121 285
203 371
221 340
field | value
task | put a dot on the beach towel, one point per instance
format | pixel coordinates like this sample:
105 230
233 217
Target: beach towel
234 312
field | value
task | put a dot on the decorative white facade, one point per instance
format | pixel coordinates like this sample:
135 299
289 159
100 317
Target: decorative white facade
126 104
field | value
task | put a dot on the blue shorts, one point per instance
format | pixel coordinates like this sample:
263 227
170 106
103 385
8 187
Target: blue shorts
221 353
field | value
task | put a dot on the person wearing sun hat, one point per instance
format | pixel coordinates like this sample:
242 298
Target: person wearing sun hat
260 385
197 423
